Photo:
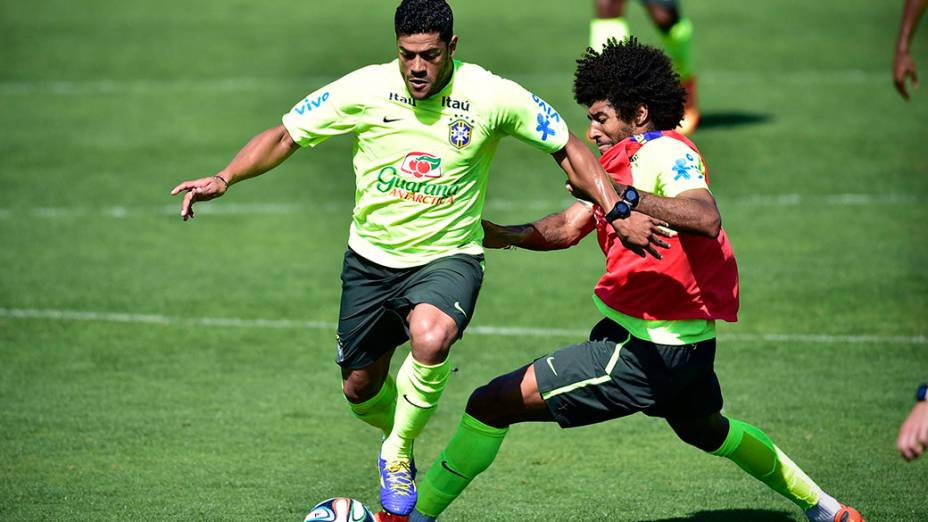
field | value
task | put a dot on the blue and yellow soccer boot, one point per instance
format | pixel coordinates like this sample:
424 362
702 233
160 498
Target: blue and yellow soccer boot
397 486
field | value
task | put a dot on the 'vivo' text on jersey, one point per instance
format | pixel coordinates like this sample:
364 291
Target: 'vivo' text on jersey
308 105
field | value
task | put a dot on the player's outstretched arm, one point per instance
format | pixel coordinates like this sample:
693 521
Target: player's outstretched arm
693 211
903 66
913 434
555 232
585 176
264 152
587 180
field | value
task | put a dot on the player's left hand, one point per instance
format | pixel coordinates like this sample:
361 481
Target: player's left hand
903 68
642 234
913 435
203 189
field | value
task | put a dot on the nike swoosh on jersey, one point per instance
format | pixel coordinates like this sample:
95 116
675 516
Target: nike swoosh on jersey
390 120
457 306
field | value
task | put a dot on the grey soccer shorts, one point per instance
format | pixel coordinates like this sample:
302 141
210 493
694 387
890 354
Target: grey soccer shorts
615 374
376 299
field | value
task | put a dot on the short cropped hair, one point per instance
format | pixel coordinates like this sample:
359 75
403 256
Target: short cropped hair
423 17
629 73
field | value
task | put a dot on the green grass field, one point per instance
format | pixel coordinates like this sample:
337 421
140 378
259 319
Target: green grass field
157 370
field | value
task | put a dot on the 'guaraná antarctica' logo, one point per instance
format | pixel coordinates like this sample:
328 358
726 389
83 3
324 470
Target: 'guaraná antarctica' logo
419 165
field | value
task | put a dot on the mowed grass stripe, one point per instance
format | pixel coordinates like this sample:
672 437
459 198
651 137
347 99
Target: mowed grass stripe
506 331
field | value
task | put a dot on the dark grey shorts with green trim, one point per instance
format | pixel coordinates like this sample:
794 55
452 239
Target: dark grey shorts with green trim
376 299
615 374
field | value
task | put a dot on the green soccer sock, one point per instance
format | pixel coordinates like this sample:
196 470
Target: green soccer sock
678 44
602 29
378 411
418 388
752 450
470 451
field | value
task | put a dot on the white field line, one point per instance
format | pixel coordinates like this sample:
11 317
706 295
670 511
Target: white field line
309 83
104 87
501 331
280 208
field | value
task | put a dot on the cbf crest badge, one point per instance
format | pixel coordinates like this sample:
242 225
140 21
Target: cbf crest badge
459 133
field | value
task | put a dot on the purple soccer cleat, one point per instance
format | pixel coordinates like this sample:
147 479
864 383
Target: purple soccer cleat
397 486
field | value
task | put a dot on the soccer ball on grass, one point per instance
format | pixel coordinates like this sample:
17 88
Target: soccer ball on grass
339 509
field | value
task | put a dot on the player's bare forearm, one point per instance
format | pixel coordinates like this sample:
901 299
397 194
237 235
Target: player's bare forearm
693 211
264 152
911 14
555 232
585 175
587 180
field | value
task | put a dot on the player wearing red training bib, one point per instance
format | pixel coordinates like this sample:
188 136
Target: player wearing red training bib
654 350
697 279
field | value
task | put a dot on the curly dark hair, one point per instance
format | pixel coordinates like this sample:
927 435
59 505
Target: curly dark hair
424 16
629 73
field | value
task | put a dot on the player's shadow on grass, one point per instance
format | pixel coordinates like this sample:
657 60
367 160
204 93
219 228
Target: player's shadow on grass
718 120
733 515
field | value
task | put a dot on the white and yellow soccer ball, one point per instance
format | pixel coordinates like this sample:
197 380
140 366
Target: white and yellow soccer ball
339 509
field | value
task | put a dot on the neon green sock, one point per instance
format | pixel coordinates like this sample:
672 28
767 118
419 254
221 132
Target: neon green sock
752 450
471 451
602 29
418 388
678 44
378 410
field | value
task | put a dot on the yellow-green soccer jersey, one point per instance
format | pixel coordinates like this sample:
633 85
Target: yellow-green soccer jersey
421 165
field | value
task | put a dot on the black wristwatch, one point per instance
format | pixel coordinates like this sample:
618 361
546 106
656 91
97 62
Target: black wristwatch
621 210
631 197
922 393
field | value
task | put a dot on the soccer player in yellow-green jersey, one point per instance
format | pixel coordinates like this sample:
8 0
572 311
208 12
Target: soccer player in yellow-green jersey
421 165
426 129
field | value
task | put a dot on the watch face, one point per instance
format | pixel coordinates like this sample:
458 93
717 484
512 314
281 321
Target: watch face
623 208
631 195
922 393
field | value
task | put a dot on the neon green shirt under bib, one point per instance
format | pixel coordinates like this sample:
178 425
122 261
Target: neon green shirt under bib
421 165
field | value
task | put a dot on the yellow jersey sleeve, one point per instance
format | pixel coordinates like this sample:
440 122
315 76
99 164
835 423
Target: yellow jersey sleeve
529 118
328 111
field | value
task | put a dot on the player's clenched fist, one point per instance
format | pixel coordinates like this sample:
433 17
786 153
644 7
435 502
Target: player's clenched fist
202 189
